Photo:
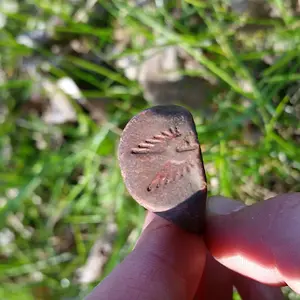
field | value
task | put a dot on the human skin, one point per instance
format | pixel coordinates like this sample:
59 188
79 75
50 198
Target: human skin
254 248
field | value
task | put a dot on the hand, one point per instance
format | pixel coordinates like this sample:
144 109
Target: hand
261 241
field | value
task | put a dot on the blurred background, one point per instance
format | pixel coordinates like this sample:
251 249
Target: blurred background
74 72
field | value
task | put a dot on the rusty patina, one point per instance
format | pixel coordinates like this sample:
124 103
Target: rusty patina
162 166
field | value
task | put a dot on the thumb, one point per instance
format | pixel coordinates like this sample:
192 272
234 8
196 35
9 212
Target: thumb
167 263
261 241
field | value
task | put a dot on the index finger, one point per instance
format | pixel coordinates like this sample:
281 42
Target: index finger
167 263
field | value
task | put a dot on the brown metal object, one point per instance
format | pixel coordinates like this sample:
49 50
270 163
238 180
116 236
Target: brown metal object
162 166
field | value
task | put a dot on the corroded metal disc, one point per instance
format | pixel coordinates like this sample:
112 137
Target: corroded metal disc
161 164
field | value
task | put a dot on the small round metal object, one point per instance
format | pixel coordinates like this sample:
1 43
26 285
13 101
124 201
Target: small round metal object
161 163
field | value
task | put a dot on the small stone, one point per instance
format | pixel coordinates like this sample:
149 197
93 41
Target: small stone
161 77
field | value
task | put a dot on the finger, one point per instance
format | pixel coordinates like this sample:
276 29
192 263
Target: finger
166 263
261 241
250 289
216 282
219 205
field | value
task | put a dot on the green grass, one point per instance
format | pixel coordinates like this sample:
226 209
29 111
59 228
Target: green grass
63 181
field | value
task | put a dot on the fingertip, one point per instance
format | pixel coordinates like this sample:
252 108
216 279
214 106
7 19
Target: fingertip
219 205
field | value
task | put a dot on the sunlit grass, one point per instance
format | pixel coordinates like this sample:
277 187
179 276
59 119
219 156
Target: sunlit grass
70 184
